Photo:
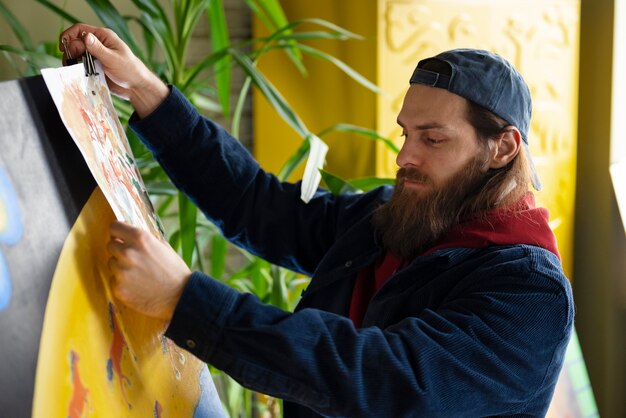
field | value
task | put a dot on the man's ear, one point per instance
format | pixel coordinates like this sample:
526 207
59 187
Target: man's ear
504 147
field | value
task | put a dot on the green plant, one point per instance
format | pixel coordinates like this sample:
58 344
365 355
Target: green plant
164 40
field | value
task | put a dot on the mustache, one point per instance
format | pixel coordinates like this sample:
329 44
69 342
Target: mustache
412 174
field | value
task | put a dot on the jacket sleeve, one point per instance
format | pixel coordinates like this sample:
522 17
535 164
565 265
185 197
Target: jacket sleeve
251 207
496 347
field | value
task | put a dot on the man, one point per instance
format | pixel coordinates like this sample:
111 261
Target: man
441 297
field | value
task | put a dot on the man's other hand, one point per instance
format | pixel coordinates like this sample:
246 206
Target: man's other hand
148 275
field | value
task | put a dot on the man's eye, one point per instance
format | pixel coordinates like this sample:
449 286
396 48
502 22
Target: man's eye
434 141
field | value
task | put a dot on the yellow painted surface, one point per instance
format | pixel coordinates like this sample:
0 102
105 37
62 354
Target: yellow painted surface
100 359
324 97
539 37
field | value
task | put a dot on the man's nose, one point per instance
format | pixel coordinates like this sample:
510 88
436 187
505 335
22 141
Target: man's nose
409 155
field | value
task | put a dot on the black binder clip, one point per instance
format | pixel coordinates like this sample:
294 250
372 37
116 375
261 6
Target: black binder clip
90 67
88 60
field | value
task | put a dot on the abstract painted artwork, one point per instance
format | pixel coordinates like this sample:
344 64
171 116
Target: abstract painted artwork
98 358
10 233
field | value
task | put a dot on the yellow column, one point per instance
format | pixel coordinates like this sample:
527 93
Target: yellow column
539 37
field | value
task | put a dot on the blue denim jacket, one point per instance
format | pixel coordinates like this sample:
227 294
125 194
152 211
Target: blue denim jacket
459 332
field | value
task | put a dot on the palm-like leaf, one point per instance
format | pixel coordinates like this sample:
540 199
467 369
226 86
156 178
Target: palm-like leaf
220 41
277 101
273 17
18 29
359 130
34 59
58 11
187 213
154 21
112 19
336 185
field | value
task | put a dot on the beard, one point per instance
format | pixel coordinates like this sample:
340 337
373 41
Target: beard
413 221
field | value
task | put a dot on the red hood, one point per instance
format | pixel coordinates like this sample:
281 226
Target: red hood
521 223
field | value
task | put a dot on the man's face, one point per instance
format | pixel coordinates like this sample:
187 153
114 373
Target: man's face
441 163
439 140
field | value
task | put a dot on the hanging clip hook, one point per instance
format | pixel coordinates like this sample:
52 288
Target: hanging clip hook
68 55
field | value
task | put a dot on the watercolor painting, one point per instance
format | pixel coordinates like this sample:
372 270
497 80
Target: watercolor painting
86 108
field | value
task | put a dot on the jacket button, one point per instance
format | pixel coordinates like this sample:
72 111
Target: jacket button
348 264
190 344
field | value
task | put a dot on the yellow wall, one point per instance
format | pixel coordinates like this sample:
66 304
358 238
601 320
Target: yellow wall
324 97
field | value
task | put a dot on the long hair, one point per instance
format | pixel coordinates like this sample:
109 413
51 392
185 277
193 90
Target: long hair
502 186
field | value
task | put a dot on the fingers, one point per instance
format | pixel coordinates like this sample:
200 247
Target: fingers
115 266
101 42
120 269
117 248
127 76
121 257
77 32
71 40
128 244
124 232
96 48
117 282
147 275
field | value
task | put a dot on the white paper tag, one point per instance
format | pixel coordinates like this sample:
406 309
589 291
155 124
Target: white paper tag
312 176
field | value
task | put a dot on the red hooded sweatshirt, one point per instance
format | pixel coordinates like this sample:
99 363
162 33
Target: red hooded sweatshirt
520 223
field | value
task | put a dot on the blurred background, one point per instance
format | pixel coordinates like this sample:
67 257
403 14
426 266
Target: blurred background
570 52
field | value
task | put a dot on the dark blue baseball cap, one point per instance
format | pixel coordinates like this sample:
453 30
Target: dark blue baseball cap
488 80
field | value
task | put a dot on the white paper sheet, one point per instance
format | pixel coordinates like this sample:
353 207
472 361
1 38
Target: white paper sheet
86 108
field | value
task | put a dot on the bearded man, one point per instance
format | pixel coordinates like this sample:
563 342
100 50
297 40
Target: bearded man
441 297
